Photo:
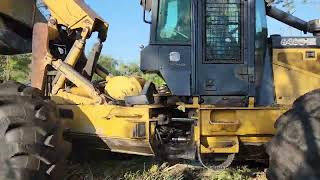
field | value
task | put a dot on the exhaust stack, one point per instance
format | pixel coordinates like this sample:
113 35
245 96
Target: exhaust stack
295 22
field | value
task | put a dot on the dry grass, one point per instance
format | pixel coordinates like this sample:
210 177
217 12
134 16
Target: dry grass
141 168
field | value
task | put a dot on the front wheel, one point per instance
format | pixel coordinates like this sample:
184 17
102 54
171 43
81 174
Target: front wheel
295 149
31 135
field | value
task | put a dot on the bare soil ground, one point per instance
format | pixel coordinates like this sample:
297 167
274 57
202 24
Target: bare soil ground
105 166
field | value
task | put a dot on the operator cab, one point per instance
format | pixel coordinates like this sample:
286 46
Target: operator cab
205 48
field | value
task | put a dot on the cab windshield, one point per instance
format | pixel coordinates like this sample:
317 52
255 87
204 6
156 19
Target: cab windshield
174 25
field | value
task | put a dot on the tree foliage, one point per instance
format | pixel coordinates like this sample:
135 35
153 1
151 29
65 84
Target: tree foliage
109 63
132 69
15 68
289 5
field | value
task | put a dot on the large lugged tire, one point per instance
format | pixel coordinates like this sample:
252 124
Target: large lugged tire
294 151
31 135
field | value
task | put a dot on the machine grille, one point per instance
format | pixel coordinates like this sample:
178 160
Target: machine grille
223 31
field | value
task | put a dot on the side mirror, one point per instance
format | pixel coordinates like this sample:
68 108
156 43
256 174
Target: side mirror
147 5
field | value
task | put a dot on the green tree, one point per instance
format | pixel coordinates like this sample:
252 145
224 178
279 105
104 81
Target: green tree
109 63
132 69
155 78
15 68
289 5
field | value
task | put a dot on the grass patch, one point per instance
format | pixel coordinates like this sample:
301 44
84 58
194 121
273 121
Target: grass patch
143 168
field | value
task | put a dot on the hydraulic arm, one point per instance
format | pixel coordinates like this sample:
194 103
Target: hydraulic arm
78 21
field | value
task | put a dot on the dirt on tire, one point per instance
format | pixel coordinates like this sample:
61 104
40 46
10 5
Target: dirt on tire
31 135
294 152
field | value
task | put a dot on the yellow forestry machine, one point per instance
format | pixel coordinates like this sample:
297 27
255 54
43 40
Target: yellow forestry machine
232 92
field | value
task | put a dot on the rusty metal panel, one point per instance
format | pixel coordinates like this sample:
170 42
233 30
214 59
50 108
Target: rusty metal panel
24 11
16 21
129 146
39 52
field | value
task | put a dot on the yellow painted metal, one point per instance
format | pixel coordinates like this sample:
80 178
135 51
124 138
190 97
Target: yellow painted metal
119 87
113 124
221 129
251 102
63 97
75 14
79 91
254 140
78 80
239 121
294 73
246 125
218 130
219 144
71 60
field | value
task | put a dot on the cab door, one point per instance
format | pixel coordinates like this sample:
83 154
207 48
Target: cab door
222 61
